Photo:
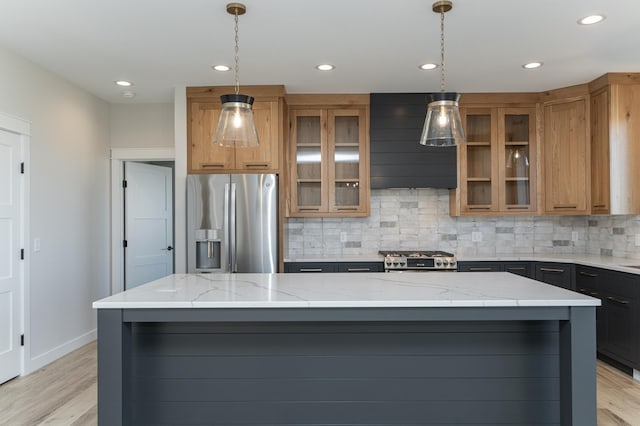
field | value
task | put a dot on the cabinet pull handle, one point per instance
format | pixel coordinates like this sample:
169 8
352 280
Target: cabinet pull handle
586 274
309 209
359 270
617 301
599 206
310 269
351 209
516 269
555 271
567 206
257 165
478 208
477 269
212 165
517 207
589 292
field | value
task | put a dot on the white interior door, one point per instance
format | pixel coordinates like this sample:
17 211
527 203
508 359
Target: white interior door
148 223
10 275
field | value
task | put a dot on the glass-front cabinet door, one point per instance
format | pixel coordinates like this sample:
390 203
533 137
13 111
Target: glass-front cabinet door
478 171
329 162
346 130
517 156
497 162
308 131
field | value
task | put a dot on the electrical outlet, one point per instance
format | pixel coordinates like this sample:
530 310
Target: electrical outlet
476 237
343 237
574 236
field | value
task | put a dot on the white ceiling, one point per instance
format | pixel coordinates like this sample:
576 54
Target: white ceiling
376 45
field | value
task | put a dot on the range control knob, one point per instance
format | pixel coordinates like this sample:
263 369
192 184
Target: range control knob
438 263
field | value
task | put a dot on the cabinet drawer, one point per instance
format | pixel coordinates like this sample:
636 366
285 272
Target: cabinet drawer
558 274
479 266
310 267
361 267
518 268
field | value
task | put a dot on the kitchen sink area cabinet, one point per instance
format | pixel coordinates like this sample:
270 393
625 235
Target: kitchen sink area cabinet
566 154
329 156
497 164
203 113
558 274
615 155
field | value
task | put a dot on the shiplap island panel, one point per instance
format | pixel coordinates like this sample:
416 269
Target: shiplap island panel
347 349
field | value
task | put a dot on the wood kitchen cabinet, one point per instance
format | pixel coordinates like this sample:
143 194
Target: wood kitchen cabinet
329 159
615 153
497 164
203 112
566 157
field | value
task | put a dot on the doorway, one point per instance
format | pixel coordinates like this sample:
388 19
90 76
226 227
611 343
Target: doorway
120 157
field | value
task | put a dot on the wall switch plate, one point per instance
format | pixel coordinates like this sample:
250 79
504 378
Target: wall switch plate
574 236
343 237
476 237
36 244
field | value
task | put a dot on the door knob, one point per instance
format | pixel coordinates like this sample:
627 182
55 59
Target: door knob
169 248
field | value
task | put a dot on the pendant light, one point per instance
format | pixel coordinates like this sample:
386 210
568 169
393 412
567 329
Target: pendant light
236 127
442 126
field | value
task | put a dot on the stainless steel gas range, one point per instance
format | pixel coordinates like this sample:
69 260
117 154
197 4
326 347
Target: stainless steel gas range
418 261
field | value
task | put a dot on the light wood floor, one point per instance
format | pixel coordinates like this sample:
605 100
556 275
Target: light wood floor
64 393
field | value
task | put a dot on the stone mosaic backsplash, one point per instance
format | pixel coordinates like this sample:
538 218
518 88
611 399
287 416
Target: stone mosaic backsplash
405 219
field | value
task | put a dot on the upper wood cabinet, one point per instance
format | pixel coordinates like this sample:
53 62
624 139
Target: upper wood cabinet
497 164
615 151
203 112
329 158
566 157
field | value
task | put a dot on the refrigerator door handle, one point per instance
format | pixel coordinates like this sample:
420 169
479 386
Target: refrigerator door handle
226 222
232 229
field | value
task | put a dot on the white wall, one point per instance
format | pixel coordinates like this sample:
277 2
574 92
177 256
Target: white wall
141 125
69 187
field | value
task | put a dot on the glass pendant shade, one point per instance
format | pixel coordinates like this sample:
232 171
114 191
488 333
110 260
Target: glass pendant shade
236 127
442 126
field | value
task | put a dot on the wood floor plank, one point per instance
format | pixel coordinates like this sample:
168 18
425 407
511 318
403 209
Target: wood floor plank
64 393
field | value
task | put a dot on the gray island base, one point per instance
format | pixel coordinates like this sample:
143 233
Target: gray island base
376 349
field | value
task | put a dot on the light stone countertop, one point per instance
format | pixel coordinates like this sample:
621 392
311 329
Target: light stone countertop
344 290
607 262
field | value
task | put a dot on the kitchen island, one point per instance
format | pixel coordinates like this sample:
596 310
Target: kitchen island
347 349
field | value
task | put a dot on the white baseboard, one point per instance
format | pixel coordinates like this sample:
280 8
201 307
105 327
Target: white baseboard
48 357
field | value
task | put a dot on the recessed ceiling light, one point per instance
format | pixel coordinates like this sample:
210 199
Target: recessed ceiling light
428 66
532 65
128 94
591 19
325 67
124 83
221 68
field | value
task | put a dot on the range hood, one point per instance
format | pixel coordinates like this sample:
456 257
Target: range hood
397 159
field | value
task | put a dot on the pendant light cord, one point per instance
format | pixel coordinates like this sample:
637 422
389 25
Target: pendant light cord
237 67
441 51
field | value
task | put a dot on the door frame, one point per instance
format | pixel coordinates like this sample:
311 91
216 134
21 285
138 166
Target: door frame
118 158
23 128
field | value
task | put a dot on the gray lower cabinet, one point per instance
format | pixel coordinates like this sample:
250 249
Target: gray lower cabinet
518 268
334 267
618 319
558 274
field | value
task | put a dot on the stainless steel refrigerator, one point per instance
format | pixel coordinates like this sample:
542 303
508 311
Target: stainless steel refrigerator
232 223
